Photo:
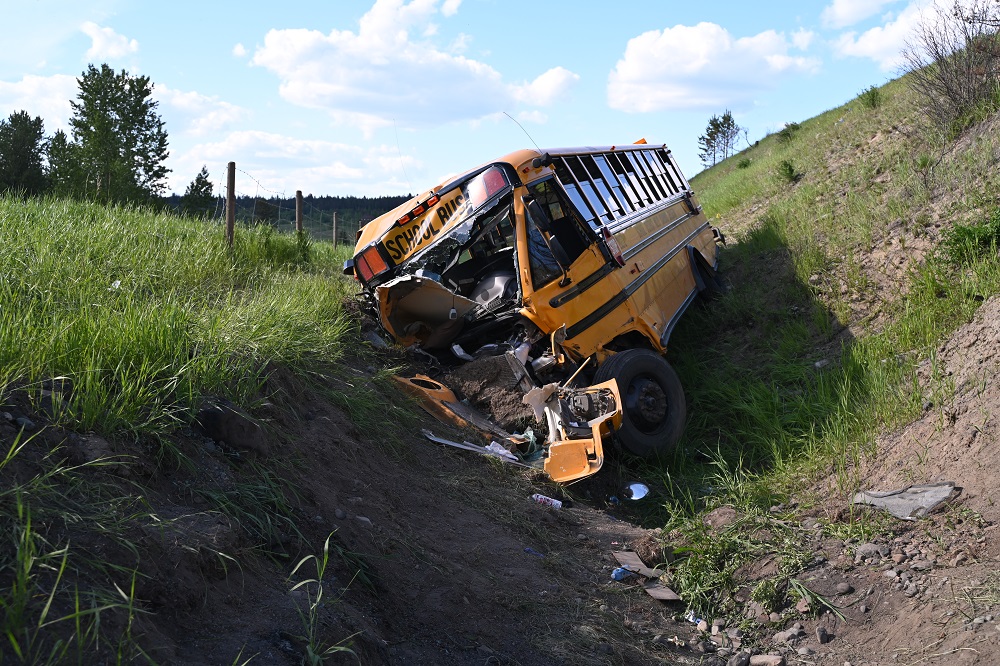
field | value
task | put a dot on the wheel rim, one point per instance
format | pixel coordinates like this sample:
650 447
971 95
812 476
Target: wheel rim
646 404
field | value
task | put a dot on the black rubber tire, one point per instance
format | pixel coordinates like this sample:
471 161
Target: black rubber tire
653 407
714 285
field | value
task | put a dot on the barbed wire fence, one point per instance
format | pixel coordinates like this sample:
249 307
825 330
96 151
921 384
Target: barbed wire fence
283 212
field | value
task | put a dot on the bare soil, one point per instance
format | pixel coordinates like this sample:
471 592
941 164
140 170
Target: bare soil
439 556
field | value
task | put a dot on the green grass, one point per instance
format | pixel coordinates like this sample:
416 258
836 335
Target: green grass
132 317
779 393
144 313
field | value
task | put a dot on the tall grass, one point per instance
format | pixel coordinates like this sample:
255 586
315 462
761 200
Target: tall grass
144 313
129 318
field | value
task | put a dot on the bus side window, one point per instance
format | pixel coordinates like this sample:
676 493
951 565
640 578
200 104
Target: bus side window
566 225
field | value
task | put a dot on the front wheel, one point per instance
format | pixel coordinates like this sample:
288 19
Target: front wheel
653 406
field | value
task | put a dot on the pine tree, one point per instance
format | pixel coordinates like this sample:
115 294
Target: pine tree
709 143
119 143
198 199
22 155
719 140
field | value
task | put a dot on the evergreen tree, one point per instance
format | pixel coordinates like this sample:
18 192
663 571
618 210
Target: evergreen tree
22 155
119 143
708 143
719 140
198 198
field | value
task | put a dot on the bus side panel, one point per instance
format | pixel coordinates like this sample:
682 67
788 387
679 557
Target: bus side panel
658 266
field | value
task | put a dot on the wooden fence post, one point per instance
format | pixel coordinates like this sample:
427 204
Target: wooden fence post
231 204
334 230
298 211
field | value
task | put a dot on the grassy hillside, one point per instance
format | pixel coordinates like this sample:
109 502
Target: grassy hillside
858 240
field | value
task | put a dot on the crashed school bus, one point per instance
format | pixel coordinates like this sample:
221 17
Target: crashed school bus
575 264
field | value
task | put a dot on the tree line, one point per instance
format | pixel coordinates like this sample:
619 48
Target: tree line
115 152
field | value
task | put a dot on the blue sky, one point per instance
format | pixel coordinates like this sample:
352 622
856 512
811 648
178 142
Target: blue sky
374 97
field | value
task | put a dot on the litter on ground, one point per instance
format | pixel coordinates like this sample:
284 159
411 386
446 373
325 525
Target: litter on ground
911 502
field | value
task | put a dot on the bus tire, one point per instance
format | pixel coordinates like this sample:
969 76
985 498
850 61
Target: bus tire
653 405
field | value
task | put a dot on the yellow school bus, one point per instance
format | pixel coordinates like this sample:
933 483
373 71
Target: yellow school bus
576 263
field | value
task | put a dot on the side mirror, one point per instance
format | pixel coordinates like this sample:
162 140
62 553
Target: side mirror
538 216
559 253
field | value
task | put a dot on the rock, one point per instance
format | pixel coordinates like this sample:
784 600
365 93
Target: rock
364 520
24 422
340 514
805 651
921 565
823 636
88 449
844 588
802 605
223 421
767 660
866 551
739 659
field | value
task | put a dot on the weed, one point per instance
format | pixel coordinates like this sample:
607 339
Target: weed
967 244
744 163
317 649
787 133
871 97
788 173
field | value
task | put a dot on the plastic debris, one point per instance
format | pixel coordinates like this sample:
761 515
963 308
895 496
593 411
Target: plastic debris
548 501
911 502
532 551
621 573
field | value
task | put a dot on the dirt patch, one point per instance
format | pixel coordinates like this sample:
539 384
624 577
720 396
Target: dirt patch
490 385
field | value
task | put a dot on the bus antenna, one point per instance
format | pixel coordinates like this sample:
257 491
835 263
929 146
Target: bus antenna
522 129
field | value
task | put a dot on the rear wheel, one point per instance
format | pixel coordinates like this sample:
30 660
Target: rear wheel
653 406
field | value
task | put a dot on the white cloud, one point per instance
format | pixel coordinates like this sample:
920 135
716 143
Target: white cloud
381 75
547 87
282 164
884 44
199 113
536 117
702 67
802 39
45 96
450 7
239 51
842 13
106 44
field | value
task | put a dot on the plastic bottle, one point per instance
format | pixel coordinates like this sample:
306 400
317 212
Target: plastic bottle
621 573
548 501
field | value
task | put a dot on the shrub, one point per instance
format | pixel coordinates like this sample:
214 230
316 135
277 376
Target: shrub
954 62
787 133
871 97
743 163
788 173
963 244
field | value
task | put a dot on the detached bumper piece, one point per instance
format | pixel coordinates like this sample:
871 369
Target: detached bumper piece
577 420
